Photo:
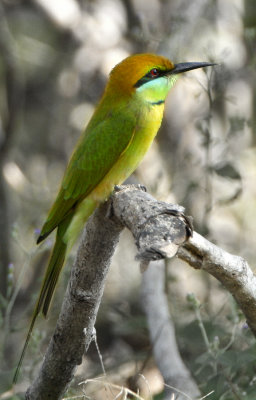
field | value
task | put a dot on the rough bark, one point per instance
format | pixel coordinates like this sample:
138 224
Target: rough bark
74 330
160 230
146 218
232 271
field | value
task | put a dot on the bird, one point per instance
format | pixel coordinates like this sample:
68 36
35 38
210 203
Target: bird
118 135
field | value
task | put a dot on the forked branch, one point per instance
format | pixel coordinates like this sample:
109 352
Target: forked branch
160 230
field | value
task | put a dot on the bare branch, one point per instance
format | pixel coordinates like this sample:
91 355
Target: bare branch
231 270
74 330
140 212
159 230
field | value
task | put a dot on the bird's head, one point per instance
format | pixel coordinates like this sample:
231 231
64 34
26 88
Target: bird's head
149 76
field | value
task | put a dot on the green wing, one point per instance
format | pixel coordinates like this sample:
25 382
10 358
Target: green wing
96 152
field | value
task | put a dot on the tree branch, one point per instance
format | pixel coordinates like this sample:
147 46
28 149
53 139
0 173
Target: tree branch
74 330
159 230
232 271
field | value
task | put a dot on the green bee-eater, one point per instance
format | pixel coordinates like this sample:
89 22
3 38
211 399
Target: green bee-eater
115 140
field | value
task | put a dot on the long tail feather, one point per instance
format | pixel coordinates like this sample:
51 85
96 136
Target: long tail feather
49 283
67 233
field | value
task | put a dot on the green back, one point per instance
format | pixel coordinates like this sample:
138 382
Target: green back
104 140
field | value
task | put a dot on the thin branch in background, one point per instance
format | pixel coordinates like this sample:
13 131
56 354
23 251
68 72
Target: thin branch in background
205 127
98 351
162 334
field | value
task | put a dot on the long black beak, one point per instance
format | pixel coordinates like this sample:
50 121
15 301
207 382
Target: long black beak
183 67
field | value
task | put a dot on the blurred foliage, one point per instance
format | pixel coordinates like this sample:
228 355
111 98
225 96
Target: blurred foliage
54 60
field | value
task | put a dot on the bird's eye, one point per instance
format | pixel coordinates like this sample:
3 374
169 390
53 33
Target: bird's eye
154 73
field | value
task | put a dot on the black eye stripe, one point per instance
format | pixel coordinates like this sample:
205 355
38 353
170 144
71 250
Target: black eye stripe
150 76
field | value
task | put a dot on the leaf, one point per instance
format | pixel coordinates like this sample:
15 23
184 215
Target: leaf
236 359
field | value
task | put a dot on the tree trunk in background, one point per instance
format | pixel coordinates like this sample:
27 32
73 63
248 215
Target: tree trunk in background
4 237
